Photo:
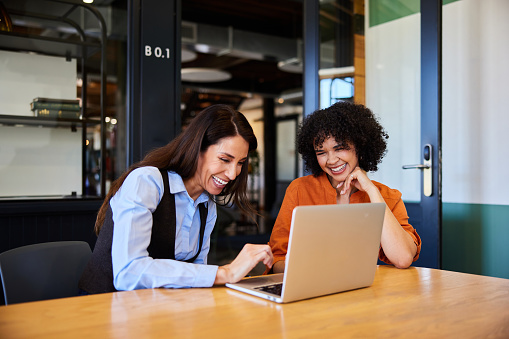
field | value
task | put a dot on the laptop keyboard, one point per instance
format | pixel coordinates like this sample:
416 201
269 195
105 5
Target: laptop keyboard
273 289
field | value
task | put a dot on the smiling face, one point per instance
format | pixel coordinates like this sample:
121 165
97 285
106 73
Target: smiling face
218 165
336 159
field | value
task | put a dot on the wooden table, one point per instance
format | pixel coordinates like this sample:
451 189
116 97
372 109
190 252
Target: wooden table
411 303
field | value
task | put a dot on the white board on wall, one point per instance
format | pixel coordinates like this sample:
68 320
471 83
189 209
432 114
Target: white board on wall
25 76
37 161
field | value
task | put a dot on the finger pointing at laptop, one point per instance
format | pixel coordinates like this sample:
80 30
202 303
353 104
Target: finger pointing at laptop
247 259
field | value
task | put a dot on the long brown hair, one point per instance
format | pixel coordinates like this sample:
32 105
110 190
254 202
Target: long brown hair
181 155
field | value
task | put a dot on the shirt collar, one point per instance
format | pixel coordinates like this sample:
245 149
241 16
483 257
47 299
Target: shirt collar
177 186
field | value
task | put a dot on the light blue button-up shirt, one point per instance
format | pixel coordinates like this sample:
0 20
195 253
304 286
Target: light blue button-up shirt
132 208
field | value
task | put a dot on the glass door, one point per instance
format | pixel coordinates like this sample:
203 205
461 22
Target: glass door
402 48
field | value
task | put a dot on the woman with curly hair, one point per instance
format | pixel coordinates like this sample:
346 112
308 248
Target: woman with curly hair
339 145
155 224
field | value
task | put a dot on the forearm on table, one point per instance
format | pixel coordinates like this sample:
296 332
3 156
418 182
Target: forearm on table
397 244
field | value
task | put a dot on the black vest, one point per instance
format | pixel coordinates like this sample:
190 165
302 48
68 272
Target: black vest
98 275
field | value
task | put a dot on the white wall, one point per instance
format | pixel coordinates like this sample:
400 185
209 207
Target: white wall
393 93
475 110
475 113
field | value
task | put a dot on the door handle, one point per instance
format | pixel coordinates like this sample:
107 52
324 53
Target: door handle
415 166
426 168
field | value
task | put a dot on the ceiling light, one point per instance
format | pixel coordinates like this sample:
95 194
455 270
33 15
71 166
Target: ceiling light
187 56
293 65
292 95
336 72
204 75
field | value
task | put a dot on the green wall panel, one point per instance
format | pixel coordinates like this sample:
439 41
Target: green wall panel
381 11
475 239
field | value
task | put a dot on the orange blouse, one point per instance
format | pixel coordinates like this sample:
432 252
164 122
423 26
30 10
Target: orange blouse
311 190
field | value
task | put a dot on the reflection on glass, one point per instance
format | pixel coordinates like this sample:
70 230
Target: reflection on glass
336 33
334 90
286 154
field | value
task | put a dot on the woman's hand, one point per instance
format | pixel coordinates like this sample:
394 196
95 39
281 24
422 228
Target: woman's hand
358 179
247 259
397 244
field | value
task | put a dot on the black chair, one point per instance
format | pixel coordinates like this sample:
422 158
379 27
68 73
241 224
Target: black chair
43 271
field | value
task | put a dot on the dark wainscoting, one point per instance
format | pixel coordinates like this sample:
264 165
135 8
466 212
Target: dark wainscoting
30 222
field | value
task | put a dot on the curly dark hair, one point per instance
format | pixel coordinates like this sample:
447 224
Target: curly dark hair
348 123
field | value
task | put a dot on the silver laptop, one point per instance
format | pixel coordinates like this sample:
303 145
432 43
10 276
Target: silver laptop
331 249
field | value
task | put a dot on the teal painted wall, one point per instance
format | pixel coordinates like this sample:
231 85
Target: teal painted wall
475 239
381 11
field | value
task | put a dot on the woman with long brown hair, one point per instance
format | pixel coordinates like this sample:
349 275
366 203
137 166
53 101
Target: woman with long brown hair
155 224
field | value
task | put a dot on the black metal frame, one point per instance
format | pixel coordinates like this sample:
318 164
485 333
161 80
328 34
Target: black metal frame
311 81
431 129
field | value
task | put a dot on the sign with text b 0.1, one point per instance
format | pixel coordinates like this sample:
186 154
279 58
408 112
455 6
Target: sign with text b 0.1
158 52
